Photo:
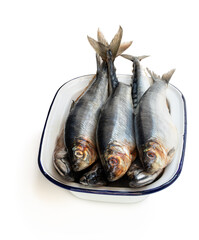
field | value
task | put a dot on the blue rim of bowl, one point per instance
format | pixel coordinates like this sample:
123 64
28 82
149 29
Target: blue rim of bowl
115 192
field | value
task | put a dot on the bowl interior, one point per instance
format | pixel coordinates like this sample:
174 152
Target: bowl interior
57 116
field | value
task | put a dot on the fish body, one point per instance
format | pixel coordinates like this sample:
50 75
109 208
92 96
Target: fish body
60 159
115 137
80 128
94 177
81 123
141 80
156 134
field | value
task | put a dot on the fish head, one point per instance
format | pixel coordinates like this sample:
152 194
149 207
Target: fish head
94 177
153 157
83 154
117 160
63 167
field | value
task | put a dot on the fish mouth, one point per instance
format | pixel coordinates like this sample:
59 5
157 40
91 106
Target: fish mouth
117 160
83 154
115 168
149 159
64 169
83 180
80 165
154 157
92 180
114 176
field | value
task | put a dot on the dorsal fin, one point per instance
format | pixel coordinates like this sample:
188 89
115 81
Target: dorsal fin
165 77
154 76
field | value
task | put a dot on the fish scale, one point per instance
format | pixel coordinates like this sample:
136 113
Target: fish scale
115 135
82 122
156 134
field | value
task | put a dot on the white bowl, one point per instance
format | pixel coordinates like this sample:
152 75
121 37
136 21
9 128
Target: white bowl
57 116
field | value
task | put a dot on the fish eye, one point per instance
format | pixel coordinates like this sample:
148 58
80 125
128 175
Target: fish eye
151 154
113 161
79 154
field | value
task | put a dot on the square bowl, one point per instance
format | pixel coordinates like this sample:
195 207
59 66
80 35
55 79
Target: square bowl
56 117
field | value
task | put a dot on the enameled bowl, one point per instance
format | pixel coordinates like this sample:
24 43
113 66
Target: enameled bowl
57 116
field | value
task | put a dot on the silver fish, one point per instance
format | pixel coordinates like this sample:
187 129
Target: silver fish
80 128
81 123
115 138
156 134
141 81
102 46
60 158
138 177
94 177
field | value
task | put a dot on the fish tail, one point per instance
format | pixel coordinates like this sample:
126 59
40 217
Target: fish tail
115 43
101 38
134 58
108 53
116 47
165 77
99 47
123 46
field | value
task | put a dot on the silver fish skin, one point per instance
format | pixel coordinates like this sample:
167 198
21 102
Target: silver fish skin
95 177
115 137
60 159
141 80
140 178
80 128
156 135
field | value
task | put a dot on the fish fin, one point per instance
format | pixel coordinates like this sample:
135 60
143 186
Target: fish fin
99 62
168 105
142 57
165 77
127 56
72 105
171 152
99 47
115 43
133 58
123 47
154 76
101 38
89 84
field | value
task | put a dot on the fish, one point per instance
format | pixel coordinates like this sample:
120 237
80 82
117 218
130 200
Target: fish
95 177
141 80
102 46
60 158
115 138
80 127
81 123
138 177
155 132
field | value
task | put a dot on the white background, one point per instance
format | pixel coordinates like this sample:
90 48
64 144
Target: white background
42 45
